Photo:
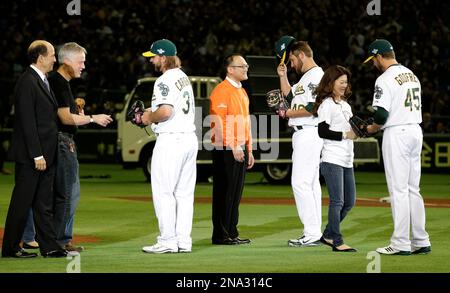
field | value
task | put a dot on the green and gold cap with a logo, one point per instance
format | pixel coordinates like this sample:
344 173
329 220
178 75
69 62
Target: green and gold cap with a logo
282 47
162 47
379 46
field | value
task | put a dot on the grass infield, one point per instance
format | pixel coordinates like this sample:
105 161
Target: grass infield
113 223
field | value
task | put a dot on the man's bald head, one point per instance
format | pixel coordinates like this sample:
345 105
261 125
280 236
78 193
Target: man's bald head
37 48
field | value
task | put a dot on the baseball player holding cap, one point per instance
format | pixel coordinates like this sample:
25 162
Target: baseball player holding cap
173 167
306 142
397 101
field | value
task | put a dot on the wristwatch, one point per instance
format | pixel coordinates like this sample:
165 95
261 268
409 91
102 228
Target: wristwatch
91 120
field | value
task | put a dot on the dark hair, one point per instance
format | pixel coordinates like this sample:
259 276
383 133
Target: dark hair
302 46
35 51
227 62
325 87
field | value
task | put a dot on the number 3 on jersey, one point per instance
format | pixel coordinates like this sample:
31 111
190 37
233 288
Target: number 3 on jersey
188 101
413 99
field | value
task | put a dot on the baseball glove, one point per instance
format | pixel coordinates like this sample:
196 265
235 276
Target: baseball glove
359 126
80 103
277 102
135 113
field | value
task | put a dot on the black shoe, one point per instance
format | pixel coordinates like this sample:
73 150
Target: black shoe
226 241
326 242
20 254
55 253
422 250
344 250
242 241
28 246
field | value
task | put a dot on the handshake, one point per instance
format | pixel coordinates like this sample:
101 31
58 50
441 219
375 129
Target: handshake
277 102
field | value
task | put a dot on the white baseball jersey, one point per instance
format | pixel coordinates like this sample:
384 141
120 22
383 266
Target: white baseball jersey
174 88
336 115
398 91
303 94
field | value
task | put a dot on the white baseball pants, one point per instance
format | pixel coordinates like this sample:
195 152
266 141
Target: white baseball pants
402 146
307 146
173 177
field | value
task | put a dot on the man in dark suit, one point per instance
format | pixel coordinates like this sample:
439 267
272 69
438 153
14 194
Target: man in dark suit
34 147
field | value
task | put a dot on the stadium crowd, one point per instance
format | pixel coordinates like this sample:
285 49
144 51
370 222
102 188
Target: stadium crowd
115 32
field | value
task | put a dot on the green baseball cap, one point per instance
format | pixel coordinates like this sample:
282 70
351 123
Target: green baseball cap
379 46
162 47
282 46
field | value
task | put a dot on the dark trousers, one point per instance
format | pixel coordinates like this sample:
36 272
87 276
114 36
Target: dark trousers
67 188
32 189
228 184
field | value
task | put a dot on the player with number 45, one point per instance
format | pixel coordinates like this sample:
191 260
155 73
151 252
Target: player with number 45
397 104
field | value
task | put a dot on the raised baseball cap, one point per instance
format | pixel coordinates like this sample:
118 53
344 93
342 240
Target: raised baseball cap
162 47
379 46
282 46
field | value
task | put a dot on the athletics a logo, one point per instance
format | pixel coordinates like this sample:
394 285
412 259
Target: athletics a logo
378 92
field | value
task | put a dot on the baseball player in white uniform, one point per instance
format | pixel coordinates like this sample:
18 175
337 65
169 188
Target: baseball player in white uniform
306 142
173 168
397 101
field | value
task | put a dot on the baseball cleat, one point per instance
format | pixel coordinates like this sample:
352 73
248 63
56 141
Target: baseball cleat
388 250
158 248
304 242
184 250
421 250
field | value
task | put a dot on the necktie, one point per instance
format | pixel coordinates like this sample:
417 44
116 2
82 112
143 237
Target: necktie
47 85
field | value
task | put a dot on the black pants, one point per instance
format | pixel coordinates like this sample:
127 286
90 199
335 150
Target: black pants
228 184
32 189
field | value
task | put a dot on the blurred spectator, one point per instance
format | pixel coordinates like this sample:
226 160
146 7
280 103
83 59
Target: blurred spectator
114 31
2 159
427 123
441 127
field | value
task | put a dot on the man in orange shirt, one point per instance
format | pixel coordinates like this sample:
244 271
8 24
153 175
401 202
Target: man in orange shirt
232 154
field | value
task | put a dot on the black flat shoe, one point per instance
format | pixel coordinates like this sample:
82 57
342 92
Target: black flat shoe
242 241
55 253
28 246
227 241
344 250
21 254
326 242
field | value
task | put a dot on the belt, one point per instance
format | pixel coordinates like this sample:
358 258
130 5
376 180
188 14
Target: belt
300 127
66 134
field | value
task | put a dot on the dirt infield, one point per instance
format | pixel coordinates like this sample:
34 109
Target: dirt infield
364 202
77 239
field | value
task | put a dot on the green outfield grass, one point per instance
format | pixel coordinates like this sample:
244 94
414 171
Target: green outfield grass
121 227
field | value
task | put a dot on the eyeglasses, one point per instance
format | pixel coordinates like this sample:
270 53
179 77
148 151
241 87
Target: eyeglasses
246 66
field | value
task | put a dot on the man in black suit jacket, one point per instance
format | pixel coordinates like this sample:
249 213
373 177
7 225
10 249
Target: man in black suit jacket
34 147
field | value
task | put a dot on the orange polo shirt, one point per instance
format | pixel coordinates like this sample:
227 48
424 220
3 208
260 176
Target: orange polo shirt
230 117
